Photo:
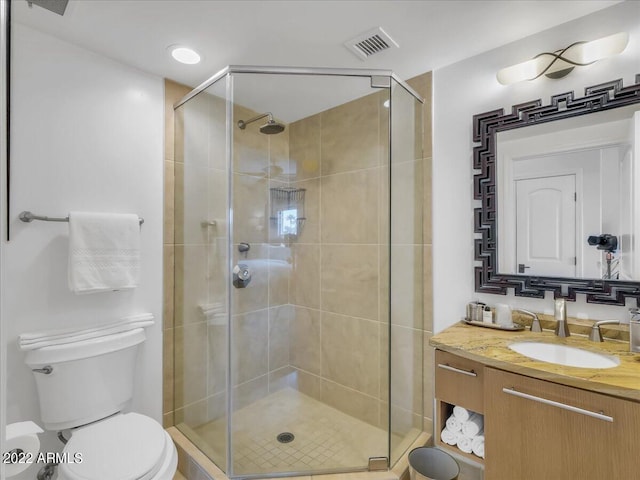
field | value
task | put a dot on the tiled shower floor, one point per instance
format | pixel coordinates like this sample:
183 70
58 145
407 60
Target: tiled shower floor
325 438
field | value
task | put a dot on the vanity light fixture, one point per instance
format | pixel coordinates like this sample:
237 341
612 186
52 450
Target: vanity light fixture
561 62
184 54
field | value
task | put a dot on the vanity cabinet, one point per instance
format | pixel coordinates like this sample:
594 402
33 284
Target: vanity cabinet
539 430
536 429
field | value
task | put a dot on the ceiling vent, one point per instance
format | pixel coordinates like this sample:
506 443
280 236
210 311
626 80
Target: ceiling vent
371 42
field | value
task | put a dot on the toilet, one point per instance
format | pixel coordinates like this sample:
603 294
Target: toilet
85 387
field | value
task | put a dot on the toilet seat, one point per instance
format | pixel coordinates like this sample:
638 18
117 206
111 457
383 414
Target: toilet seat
125 447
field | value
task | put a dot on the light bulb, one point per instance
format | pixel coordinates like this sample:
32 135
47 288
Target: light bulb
184 54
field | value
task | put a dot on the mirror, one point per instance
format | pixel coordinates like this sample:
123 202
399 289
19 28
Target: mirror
558 185
565 194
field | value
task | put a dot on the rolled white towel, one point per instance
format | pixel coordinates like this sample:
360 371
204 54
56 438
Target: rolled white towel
478 448
473 426
464 444
477 440
448 437
454 424
461 413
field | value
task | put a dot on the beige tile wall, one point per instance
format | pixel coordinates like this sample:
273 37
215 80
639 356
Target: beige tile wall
261 311
338 157
423 85
339 333
172 93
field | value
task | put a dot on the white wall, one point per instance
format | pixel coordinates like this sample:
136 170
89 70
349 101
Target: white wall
3 196
87 134
470 87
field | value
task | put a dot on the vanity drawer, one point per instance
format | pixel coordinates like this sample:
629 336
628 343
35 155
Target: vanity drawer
459 381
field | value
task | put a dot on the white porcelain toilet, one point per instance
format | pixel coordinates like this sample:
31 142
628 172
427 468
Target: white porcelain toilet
88 385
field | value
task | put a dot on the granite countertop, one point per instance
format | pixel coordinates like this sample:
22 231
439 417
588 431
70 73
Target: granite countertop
490 347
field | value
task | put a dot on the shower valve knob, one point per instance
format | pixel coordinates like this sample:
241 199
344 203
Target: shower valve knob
241 275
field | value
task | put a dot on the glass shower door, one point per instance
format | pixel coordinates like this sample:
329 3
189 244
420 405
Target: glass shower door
309 329
407 286
201 280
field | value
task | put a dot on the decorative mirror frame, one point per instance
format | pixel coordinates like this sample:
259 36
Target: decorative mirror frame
485 128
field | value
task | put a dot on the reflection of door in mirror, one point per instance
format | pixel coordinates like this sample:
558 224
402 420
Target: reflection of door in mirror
546 226
559 184
630 175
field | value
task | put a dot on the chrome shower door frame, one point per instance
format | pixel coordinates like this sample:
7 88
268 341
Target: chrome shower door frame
379 79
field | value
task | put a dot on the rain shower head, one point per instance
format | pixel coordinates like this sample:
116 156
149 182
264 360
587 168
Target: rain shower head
270 128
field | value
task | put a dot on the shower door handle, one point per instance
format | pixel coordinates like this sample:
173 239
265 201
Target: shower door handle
241 275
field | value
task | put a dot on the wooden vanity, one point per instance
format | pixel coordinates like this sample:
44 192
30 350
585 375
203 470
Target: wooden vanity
541 420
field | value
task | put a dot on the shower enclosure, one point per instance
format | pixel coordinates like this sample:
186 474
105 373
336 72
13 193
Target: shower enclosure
298 296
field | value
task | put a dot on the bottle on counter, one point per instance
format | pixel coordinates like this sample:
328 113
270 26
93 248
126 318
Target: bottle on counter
487 314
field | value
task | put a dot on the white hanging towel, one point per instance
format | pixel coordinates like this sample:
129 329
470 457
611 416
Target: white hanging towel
35 340
104 252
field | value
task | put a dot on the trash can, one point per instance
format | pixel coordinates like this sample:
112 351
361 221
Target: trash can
430 463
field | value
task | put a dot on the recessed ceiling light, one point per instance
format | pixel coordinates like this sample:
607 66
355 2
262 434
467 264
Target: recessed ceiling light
184 54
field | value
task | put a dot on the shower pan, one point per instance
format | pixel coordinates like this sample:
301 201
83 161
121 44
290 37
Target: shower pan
298 282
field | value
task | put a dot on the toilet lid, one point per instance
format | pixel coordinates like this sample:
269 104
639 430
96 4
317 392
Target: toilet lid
123 447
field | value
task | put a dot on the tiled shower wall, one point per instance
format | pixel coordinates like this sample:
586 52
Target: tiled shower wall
424 86
319 303
339 331
340 261
172 93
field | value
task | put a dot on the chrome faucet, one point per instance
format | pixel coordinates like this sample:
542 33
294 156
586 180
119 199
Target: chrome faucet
596 334
562 328
535 321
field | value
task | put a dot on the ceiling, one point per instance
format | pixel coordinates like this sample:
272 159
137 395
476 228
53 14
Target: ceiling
431 34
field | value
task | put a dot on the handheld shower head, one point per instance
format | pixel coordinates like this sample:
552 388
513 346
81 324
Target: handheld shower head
270 128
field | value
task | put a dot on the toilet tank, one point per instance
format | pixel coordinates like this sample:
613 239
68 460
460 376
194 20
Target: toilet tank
90 379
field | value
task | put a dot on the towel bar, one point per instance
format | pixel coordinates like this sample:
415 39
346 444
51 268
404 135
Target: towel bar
28 217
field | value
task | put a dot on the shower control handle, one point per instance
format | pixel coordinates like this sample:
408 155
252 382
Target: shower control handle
241 275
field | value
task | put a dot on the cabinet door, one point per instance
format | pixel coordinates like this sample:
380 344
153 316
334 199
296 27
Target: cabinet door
459 381
538 430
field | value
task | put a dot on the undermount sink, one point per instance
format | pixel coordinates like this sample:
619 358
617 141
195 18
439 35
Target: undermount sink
564 355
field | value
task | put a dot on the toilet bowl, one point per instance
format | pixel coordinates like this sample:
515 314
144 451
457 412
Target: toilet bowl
127 446
86 386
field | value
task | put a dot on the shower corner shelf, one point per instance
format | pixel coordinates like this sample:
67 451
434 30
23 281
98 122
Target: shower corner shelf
287 210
